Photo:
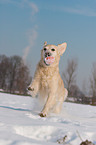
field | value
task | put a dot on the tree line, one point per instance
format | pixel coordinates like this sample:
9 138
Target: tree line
14 74
75 94
15 78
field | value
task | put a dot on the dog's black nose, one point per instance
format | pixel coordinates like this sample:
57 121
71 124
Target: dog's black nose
47 54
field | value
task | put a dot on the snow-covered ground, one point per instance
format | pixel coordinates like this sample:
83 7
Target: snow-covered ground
20 123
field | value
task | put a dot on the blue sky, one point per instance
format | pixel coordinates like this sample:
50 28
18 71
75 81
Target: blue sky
26 24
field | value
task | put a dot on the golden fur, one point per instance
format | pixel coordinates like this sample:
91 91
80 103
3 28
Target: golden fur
47 81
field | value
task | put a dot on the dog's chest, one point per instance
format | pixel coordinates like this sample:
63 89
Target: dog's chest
46 79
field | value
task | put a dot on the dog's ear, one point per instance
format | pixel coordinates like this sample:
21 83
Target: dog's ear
62 48
45 43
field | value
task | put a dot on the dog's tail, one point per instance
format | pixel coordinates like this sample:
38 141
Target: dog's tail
65 94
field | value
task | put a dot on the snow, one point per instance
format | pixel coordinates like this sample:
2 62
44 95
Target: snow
20 123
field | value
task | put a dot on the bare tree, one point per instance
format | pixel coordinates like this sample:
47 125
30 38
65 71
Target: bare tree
93 84
4 63
14 74
69 75
23 78
19 75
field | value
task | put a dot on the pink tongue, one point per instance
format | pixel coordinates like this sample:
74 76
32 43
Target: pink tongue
49 59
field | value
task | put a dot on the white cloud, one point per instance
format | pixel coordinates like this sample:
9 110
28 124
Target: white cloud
81 11
85 10
26 52
32 33
34 8
32 36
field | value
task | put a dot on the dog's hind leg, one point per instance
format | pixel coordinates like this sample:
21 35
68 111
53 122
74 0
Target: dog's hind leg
58 106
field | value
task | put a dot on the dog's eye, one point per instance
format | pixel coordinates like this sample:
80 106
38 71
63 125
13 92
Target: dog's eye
45 49
52 49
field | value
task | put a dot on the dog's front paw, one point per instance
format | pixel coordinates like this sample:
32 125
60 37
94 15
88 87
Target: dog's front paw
42 114
30 89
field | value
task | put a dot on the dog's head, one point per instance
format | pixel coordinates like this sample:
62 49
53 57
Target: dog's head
50 54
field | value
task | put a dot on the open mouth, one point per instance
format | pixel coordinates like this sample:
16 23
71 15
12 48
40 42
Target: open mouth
49 60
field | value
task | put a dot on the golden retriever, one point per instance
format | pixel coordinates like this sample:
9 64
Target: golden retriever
47 81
